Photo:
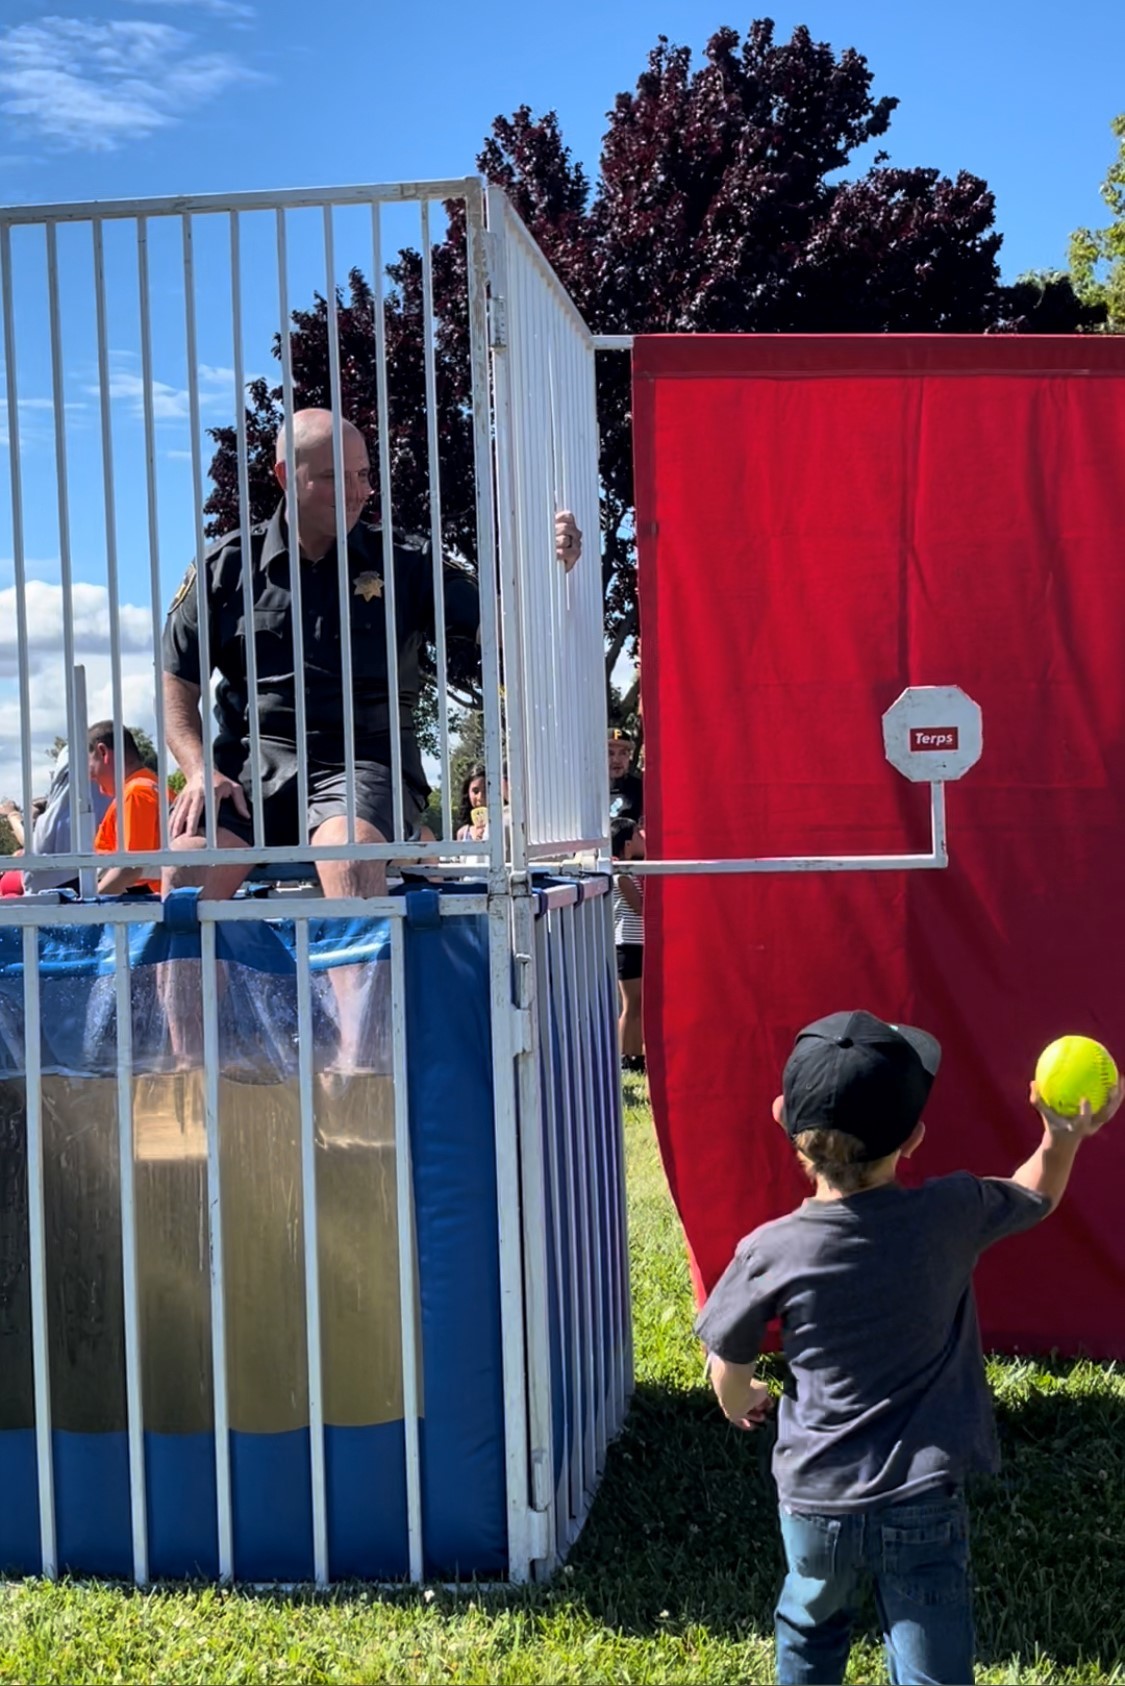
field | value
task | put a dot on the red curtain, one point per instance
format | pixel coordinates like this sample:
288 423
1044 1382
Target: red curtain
821 522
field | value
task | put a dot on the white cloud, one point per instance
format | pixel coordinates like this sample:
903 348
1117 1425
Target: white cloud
47 675
232 9
169 403
89 85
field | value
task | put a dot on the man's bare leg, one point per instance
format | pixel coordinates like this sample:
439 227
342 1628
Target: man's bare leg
179 982
350 878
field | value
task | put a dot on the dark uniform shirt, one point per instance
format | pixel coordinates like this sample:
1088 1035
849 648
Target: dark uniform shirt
323 677
626 797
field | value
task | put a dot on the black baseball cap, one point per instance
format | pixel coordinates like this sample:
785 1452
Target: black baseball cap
852 1072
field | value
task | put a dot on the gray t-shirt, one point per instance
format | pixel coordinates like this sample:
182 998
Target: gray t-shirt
886 1393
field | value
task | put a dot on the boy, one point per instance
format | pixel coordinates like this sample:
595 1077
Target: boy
885 1408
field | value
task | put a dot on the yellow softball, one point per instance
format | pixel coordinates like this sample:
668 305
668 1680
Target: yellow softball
1074 1069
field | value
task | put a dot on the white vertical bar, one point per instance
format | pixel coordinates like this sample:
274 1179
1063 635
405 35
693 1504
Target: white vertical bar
110 534
939 846
571 1253
215 1234
582 1185
342 575
407 1278
37 1253
311 1217
153 524
547 1043
76 752
534 1196
291 518
134 1392
486 551
249 642
201 573
505 375
606 983
590 1073
433 454
81 806
513 1350
18 564
610 975
386 517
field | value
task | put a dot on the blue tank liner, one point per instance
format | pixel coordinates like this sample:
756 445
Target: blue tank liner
462 1430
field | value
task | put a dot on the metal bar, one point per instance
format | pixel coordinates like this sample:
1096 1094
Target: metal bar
607 986
547 1046
797 863
508 573
153 524
201 571
110 511
311 1219
130 1280
513 1348
18 560
612 342
202 204
37 1257
434 854
485 525
30 911
533 1205
81 807
75 752
407 1256
585 1237
343 578
386 521
433 456
297 617
249 642
940 843
569 1186
590 1074
221 1409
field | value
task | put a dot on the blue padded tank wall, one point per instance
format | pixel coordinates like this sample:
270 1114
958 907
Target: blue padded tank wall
462 1428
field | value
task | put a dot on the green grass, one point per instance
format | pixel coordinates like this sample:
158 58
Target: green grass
674 1576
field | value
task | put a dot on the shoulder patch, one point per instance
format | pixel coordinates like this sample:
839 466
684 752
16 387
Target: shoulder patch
185 586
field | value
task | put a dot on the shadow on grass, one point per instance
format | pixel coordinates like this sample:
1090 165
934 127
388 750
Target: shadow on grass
684 1530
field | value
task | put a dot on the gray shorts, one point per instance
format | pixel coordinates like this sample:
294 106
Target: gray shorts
282 822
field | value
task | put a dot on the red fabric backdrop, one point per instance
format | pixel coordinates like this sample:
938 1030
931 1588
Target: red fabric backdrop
822 522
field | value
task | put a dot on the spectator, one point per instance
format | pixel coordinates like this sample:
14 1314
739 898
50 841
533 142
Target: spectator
628 844
53 833
474 799
141 796
626 788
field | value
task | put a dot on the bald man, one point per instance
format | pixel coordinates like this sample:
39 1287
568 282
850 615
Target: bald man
325 821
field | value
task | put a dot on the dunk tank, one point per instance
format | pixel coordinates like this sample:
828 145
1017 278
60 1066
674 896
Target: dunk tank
823 524
265 1315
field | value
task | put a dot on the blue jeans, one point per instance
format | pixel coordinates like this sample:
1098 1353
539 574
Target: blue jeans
917 1555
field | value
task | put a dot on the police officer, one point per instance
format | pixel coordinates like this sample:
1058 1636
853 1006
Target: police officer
325 702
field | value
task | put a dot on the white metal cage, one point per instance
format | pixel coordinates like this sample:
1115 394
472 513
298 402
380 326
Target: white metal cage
116 309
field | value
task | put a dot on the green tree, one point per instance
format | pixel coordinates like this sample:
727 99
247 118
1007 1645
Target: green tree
1097 255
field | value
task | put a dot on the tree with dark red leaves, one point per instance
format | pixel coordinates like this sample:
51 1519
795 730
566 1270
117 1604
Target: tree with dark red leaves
720 207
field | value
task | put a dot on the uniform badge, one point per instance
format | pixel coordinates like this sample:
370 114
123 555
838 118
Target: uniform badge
367 586
185 586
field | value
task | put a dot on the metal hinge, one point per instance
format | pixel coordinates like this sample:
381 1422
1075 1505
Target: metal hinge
538 1534
497 305
521 1030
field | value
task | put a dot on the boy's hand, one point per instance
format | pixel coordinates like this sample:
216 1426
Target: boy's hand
1087 1122
761 1403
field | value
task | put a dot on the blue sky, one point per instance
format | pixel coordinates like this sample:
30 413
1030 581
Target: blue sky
125 98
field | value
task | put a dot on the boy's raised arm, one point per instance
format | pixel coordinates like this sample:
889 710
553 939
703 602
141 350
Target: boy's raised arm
1048 1169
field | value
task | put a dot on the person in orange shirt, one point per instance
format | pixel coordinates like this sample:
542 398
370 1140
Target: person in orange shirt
142 810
